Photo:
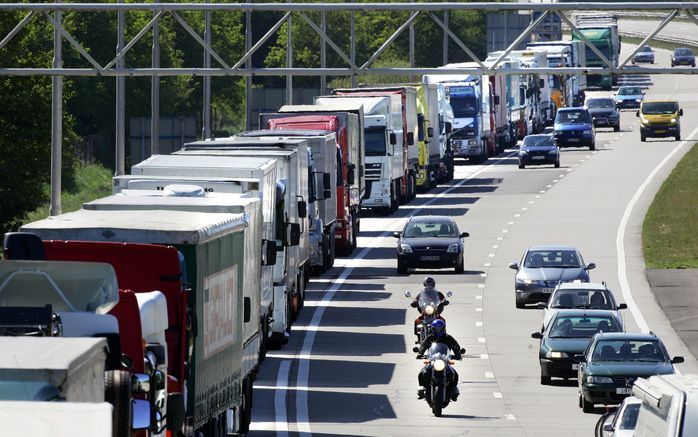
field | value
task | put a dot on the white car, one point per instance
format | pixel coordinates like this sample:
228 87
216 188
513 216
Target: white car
622 423
589 295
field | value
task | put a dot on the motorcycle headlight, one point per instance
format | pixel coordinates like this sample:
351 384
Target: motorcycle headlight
555 354
405 248
453 248
429 310
599 380
439 365
587 132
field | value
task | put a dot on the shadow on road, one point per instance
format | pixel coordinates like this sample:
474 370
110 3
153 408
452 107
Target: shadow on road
329 407
336 373
362 317
337 343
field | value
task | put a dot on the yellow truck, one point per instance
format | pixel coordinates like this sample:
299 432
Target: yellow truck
660 118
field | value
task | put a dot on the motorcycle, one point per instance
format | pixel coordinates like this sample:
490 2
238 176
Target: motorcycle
439 362
430 306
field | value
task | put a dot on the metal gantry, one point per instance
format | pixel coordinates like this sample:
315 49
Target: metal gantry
290 10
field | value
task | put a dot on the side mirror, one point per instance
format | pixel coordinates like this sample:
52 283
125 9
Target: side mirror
608 427
175 411
268 252
677 360
622 306
292 234
541 83
680 112
408 294
578 358
449 294
247 310
461 351
415 349
410 138
397 234
514 266
430 132
327 182
591 266
637 113
393 138
496 100
140 383
302 209
464 235
351 174
449 127
140 414
537 335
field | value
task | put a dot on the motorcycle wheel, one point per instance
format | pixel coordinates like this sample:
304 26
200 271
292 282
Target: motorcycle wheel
437 407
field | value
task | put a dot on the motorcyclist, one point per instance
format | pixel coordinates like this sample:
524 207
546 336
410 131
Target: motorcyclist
438 335
429 289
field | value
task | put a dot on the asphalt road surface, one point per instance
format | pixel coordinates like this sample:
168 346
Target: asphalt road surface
348 369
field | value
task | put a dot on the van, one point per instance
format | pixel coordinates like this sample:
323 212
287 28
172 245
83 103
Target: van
660 118
669 406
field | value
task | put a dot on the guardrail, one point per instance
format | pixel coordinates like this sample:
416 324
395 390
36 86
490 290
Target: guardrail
662 38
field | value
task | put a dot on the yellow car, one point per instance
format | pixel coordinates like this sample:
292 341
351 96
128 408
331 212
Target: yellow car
660 118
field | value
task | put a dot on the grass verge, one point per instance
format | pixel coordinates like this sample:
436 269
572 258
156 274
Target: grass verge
669 237
92 181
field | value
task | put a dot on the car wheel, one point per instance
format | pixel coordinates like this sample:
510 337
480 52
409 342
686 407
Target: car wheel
678 137
616 128
587 407
544 380
557 164
592 147
460 267
522 166
643 138
520 305
401 267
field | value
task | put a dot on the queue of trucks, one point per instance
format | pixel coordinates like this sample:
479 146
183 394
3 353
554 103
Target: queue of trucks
167 294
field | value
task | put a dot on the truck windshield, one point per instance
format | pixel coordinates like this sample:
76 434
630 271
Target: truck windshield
655 108
375 141
603 47
463 106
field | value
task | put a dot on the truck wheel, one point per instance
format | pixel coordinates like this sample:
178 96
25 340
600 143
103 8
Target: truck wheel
412 183
333 250
117 391
275 341
325 253
395 196
264 343
246 407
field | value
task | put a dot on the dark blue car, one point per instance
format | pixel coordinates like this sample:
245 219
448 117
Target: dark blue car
539 150
574 128
683 56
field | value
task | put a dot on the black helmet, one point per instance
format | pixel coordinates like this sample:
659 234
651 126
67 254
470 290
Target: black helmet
429 282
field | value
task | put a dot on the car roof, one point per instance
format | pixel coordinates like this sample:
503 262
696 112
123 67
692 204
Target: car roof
574 108
584 312
661 101
538 136
552 247
627 336
431 218
582 286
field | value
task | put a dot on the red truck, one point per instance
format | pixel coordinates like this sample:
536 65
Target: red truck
348 127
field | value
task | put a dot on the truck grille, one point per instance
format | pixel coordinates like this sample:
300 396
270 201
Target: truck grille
373 171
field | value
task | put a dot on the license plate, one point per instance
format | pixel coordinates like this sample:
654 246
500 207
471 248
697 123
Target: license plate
546 290
623 390
539 157
575 366
573 140
430 258
660 131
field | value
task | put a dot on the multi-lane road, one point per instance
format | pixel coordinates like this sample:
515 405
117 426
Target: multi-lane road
349 369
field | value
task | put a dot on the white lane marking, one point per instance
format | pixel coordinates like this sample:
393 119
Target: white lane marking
483 275
510 223
556 181
510 417
478 310
484 357
491 255
494 246
487 265
281 425
480 285
481 340
517 215
504 231
620 238
302 418
489 375
500 238
524 209
497 395
478 323
478 297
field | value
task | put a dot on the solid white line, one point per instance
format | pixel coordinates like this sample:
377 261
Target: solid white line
478 323
620 238
478 310
510 417
489 375
481 340
281 425
302 418
497 395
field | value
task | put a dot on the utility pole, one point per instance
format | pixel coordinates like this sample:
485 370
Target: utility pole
56 118
206 129
120 97
155 92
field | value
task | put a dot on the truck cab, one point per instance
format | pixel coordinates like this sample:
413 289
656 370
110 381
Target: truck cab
660 118
669 406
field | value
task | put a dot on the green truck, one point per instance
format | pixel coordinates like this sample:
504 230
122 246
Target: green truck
602 31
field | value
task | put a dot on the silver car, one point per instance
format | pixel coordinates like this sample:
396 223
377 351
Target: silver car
628 97
577 294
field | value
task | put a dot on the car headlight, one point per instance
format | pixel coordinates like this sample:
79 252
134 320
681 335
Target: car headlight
522 152
524 281
472 142
439 365
429 310
673 120
599 380
587 132
557 132
644 120
405 248
453 248
552 152
638 100
555 354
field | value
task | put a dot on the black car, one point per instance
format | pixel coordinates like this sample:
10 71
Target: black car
613 361
539 150
683 56
603 112
568 335
430 242
542 268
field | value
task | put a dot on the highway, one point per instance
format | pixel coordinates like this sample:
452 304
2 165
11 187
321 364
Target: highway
349 369
681 29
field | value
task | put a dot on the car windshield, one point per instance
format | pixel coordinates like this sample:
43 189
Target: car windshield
538 141
683 52
439 229
623 91
600 103
629 419
629 350
582 326
595 299
572 117
536 259
645 49
655 108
